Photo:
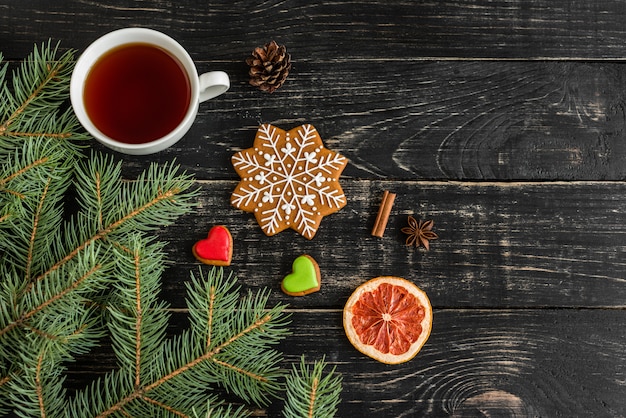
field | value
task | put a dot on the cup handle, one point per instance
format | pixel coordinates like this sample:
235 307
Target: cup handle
212 84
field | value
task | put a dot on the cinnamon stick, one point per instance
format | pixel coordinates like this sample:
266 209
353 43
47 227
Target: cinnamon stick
383 214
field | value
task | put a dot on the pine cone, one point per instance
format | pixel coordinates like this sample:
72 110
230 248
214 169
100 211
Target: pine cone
269 66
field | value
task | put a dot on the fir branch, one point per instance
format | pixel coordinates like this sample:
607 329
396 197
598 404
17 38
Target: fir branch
33 236
32 108
138 319
156 199
39 386
54 270
244 360
5 378
222 412
210 304
37 82
163 406
34 182
310 394
184 364
260 325
38 300
33 161
38 391
20 171
99 188
47 301
54 313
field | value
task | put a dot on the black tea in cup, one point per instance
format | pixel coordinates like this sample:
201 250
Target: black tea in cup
137 93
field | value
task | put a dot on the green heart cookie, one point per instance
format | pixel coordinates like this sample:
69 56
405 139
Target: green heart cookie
304 278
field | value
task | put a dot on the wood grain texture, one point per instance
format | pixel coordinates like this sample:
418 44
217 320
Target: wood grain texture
393 116
476 363
436 120
500 244
341 30
503 121
487 363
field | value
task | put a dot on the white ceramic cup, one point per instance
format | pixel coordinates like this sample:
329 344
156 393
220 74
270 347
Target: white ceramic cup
203 87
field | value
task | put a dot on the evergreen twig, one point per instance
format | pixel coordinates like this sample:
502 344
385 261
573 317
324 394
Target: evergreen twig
35 105
310 393
53 269
154 376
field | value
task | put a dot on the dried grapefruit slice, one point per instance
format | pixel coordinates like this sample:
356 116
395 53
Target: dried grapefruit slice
388 318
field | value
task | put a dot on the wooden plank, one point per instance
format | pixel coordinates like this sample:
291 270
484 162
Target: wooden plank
500 244
517 363
468 120
435 120
509 363
503 363
508 97
342 30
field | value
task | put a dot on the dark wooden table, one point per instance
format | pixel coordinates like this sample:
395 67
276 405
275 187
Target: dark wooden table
502 121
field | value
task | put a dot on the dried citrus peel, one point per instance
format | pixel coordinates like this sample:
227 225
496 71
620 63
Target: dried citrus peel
388 319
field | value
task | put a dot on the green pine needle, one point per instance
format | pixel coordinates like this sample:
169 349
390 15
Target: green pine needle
34 105
228 411
241 358
66 284
310 393
239 336
138 319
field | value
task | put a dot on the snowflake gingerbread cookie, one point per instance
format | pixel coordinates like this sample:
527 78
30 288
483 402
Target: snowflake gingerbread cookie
288 180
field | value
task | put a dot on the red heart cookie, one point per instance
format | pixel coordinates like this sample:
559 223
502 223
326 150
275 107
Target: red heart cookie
216 249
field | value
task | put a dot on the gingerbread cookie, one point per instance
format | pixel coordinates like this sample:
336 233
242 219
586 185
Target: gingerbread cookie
305 277
288 180
216 249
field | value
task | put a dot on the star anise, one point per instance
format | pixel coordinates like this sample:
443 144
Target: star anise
420 233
